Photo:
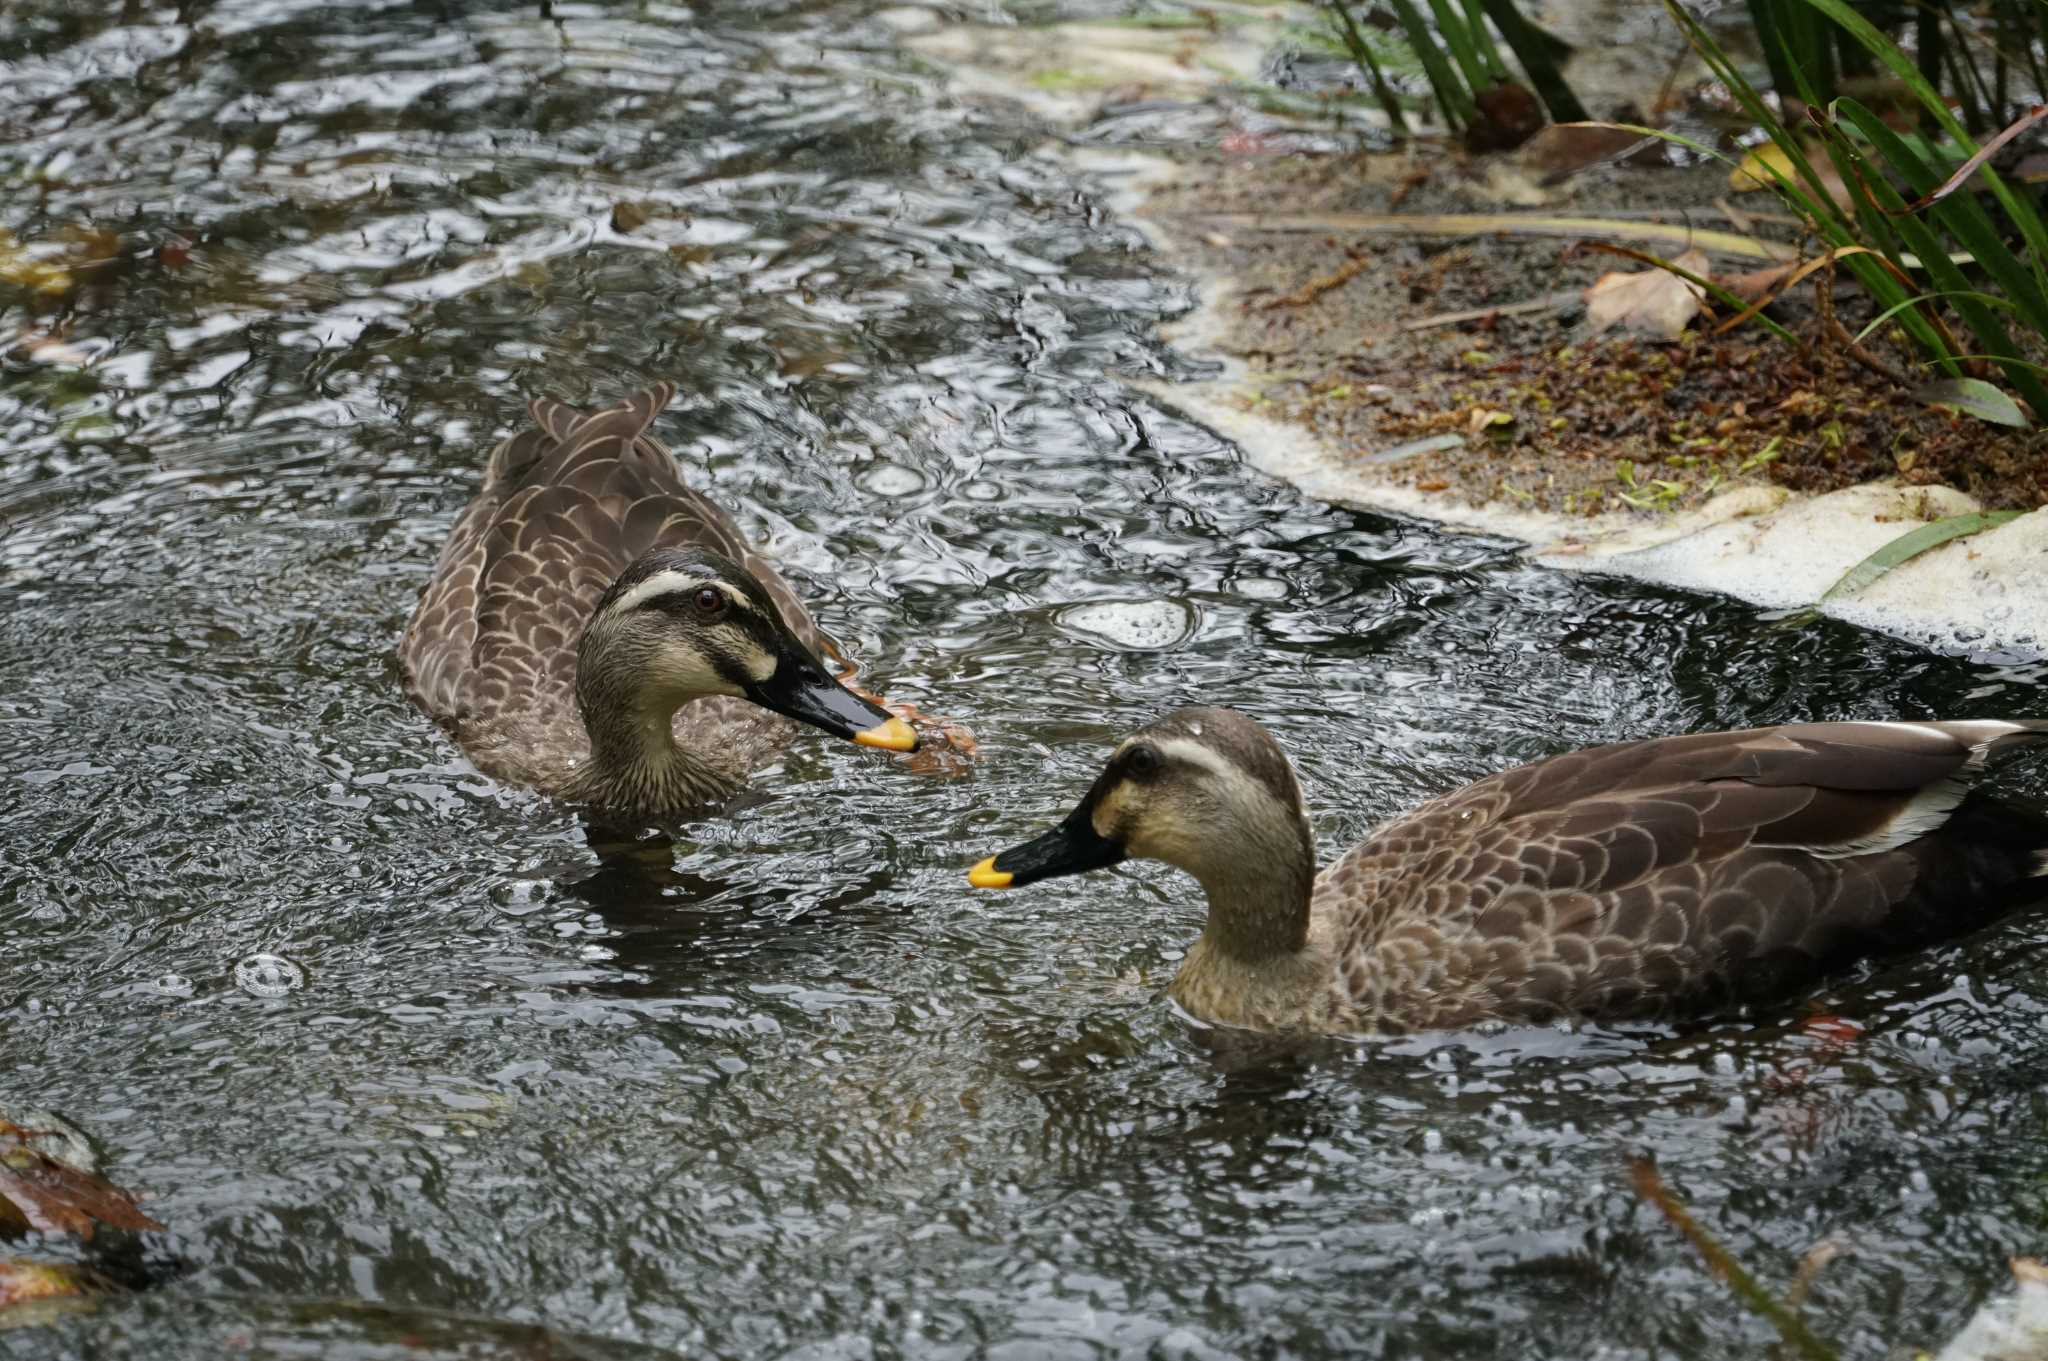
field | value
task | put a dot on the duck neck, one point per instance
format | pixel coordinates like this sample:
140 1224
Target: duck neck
634 760
1254 964
1258 915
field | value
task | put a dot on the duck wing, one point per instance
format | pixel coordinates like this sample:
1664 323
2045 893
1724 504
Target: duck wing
1682 873
563 509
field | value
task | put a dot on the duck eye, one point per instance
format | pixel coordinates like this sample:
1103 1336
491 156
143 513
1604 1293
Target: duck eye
1142 761
709 599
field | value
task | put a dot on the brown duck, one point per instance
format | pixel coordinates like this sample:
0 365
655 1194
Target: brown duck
1648 879
597 630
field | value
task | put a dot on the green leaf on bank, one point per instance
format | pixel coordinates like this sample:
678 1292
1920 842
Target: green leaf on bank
1912 544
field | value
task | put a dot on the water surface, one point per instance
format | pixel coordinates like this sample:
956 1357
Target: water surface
785 1087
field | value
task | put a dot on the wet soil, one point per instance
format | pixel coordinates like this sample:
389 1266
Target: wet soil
1551 417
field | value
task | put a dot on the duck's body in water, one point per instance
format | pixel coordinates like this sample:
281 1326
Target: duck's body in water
597 630
1652 879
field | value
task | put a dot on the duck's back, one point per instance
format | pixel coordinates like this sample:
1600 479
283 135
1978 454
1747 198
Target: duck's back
490 653
1673 875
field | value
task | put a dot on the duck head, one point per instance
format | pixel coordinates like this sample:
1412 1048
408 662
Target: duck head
1205 789
679 624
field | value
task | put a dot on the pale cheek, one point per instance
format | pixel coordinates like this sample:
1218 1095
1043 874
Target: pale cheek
1175 845
681 671
1122 817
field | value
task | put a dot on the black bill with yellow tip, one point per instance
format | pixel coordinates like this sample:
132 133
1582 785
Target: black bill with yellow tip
801 690
1073 847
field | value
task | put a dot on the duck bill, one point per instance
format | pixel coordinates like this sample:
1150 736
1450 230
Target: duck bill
801 690
1073 847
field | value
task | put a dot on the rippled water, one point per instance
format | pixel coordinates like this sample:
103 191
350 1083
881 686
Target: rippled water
786 1087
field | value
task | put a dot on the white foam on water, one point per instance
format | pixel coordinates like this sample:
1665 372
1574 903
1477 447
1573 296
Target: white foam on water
1133 625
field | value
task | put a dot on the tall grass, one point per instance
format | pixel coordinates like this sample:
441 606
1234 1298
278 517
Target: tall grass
1987 57
1965 244
1454 42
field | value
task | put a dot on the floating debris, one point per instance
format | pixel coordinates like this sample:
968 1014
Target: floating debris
49 1181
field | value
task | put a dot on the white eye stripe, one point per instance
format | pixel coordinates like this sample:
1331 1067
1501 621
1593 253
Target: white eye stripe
676 583
1195 754
661 583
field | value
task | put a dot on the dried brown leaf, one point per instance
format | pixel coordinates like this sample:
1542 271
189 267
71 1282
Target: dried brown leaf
1755 285
1564 149
38 1192
1652 303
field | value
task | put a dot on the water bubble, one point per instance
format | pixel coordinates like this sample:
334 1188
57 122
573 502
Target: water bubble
268 975
1262 588
890 479
172 985
1135 625
520 897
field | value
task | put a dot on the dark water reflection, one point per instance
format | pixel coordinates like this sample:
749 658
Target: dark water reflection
783 1087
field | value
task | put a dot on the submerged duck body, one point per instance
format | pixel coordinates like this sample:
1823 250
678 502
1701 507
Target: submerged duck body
597 630
1648 879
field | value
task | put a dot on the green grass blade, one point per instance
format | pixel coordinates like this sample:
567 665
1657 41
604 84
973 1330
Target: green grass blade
1911 545
1361 54
2027 364
1881 318
1974 231
1540 54
1973 397
1450 26
1452 96
1812 198
1482 39
1885 50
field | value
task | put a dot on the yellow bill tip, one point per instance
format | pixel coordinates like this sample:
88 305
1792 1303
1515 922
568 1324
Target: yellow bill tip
986 875
891 735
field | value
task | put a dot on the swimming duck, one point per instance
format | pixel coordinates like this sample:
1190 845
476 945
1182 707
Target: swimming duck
1647 879
599 631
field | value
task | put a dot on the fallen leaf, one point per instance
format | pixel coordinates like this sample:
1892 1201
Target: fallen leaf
1654 303
1975 397
1753 172
1482 418
1755 284
1563 149
39 1192
1431 484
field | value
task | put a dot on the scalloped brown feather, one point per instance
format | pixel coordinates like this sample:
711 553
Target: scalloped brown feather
1646 879
490 653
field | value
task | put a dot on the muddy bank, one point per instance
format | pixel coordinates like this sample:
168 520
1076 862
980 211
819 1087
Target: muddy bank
1405 332
1736 463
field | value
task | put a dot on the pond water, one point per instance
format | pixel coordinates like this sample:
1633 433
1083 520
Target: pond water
406 1069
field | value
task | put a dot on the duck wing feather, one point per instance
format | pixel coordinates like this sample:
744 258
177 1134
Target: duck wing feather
1655 876
564 508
